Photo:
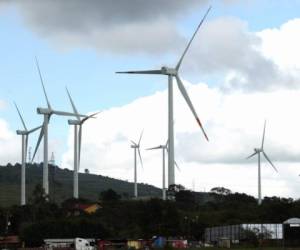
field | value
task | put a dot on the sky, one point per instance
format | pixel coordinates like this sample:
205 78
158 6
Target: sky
241 69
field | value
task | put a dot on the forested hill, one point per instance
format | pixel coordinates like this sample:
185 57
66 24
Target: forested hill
61 184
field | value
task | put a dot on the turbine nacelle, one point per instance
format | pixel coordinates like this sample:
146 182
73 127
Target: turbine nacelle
168 71
257 150
74 122
21 132
44 111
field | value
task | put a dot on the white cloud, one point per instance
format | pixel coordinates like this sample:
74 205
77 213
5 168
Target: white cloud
282 45
9 144
225 47
234 123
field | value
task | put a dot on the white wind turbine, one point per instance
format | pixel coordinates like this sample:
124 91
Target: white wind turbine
47 112
136 147
258 151
173 72
164 148
25 134
77 142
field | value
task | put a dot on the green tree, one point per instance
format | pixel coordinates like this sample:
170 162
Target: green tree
38 196
109 195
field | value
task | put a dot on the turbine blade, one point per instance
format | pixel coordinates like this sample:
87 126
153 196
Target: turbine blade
133 142
62 113
189 44
34 129
158 147
141 137
251 155
41 78
155 72
175 163
79 145
263 139
38 143
177 166
269 161
89 116
20 116
73 105
189 102
139 152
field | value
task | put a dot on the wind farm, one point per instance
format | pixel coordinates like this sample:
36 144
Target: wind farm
115 140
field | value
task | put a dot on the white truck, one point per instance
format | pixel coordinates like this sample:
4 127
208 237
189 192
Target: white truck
83 244
76 244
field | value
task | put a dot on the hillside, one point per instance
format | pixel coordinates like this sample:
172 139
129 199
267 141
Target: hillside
61 184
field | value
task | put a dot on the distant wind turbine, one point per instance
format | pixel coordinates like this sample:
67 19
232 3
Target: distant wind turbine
164 148
258 151
173 72
136 147
25 134
47 112
77 142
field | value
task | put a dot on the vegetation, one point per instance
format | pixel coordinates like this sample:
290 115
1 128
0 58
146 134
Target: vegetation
61 184
122 217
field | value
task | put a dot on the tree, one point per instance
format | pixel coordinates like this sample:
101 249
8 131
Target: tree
41 207
220 190
38 195
109 195
185 199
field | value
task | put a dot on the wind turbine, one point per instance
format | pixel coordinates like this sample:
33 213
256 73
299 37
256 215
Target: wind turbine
77 142
136 147
258 151
173 72
47 112
163 148
25 134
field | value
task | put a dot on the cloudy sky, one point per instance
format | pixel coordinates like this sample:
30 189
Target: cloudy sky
242 68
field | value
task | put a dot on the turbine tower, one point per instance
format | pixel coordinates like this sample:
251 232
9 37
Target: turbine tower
47 113
77 142
164 148
25 134
136 147
29 154
174 72
258 151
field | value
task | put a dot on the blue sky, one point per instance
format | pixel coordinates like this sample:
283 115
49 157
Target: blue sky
89 70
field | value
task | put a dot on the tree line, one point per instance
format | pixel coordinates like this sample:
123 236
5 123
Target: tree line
119 218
